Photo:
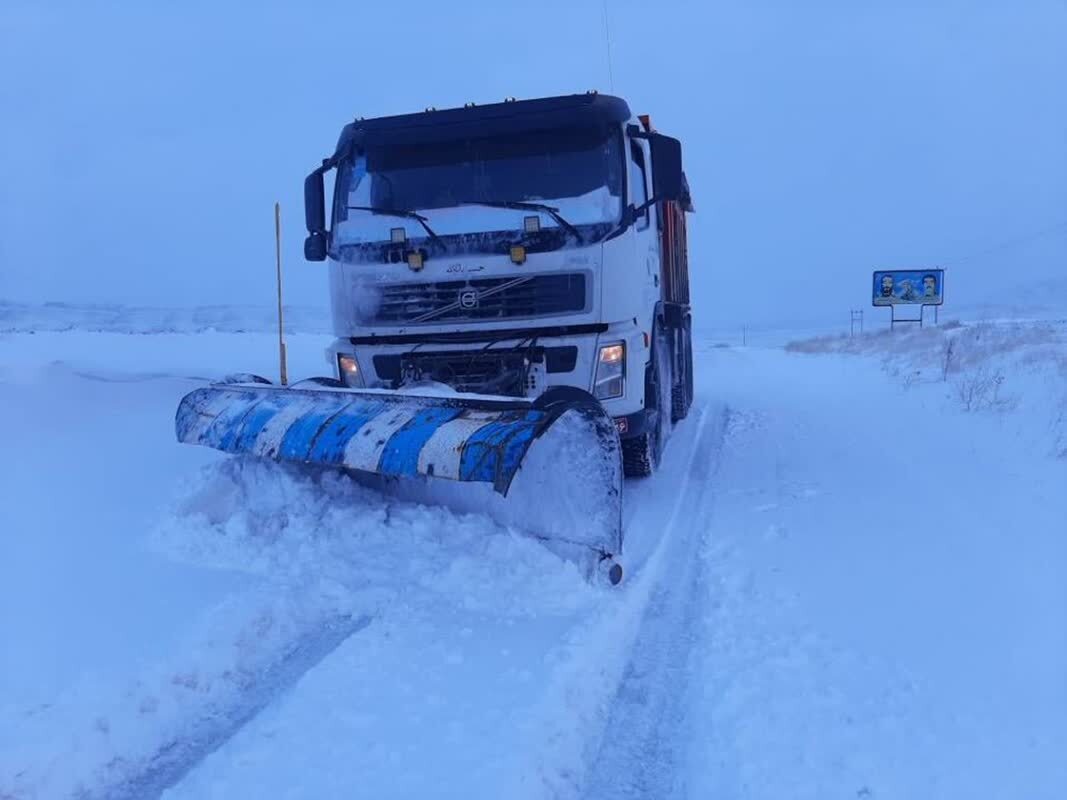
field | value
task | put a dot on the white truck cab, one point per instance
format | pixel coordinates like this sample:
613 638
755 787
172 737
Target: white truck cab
508 248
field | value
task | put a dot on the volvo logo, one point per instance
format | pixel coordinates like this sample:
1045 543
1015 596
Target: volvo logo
468 298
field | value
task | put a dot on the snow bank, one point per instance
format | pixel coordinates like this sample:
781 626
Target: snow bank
1014 369
30 358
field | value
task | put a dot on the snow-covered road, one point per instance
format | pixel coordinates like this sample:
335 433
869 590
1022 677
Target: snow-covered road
876 608
841 586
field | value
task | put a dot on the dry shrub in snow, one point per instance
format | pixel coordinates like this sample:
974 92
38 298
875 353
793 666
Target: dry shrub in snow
948 358
819 344
980 391
994 367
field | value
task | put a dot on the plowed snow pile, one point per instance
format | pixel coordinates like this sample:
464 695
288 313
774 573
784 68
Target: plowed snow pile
324 558
324 533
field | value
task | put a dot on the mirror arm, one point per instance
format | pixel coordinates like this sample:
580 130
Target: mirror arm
630 215
641 209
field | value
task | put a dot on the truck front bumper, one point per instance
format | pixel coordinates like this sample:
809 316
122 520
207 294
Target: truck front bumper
561 360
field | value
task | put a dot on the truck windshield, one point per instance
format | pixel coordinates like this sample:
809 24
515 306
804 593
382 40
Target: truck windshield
466 186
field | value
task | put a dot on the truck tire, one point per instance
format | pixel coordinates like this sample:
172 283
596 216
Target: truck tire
682 391
640 455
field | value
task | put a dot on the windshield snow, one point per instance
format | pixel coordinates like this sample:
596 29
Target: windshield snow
578 171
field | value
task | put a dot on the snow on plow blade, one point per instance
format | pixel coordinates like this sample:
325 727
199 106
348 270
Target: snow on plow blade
551 467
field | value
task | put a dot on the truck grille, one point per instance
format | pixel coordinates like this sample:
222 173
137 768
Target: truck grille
481 299
490 371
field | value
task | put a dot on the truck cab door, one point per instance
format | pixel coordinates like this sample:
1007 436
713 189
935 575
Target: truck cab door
646 241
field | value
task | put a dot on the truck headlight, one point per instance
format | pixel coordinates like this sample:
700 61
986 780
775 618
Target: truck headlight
348 370
610 380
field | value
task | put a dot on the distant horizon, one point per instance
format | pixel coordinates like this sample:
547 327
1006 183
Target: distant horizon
314 318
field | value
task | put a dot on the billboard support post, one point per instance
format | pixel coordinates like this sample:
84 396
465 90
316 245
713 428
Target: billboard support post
894 320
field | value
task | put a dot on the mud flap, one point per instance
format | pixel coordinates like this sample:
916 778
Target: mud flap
550 467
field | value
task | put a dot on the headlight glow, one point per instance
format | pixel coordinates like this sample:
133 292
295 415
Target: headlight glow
348 370
610 380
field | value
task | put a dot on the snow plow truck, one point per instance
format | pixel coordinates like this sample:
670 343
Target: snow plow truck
510 295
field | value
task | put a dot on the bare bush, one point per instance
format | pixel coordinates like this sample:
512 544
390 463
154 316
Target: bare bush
1058 429
818 344
948 355
979 390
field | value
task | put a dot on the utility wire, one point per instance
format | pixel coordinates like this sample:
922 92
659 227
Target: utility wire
1009 243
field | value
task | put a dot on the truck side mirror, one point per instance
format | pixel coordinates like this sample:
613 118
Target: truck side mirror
315 217
315 247
666 167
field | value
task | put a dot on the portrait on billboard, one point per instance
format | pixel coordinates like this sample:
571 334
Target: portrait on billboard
915 287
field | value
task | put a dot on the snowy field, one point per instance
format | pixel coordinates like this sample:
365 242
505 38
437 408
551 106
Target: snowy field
849 580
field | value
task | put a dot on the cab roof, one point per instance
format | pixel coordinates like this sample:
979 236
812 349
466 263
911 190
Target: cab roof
512 116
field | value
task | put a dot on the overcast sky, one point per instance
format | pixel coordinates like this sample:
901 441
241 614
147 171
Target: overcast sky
142 144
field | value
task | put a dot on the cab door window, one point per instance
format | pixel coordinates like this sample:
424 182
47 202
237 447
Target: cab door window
639 192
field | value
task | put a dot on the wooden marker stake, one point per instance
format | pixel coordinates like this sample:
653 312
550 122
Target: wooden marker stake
282 366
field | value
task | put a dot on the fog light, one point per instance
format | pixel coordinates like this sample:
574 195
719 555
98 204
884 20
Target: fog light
518 254
415 260
531 224
398 235
348 370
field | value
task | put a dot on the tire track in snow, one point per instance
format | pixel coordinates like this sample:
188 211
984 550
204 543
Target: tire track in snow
174 759
644 736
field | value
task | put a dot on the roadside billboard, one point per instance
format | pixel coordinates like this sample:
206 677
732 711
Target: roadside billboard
909 287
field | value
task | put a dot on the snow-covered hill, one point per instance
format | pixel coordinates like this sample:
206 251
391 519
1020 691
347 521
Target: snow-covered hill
117 318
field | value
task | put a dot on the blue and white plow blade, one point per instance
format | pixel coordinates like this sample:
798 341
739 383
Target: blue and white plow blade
557 459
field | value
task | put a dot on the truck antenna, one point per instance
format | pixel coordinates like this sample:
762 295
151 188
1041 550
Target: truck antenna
607 42
282 366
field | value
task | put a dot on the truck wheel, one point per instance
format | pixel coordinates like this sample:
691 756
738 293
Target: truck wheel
682 392
679 406
640 455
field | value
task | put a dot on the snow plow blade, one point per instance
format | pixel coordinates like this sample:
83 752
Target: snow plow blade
551 467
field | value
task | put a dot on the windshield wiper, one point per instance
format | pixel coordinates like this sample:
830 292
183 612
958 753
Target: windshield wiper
522 205
398 212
